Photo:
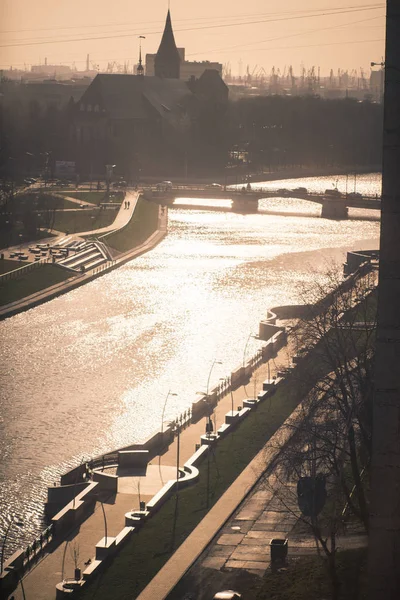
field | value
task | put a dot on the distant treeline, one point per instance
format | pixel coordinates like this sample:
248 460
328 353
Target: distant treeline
306 130
262 131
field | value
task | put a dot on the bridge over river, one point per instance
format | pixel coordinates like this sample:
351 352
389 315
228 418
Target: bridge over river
334 205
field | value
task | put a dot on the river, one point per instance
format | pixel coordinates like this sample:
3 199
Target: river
89 371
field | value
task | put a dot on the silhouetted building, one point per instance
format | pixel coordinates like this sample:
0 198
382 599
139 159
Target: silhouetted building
167 60
148 123
166 64
126 119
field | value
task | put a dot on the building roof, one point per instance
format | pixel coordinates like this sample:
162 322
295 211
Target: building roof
126 96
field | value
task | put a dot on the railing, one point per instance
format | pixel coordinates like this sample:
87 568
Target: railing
103 267
21 270
257 191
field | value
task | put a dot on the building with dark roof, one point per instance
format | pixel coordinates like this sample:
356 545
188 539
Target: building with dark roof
142 123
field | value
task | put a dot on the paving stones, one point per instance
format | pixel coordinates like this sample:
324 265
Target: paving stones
213 562
227 539
222 551
247 564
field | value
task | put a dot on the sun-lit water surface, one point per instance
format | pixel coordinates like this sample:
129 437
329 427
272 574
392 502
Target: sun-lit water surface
89 371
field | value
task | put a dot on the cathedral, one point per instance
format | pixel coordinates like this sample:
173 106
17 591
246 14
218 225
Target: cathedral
145 123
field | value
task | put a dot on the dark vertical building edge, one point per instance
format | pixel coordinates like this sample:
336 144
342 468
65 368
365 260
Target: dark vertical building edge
384 532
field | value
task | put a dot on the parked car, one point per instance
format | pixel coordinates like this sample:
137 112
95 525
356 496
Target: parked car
282 192
227 595
164 186
354 195
213 186
335 193
301 190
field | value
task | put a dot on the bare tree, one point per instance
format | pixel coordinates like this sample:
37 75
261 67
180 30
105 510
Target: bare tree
334 343
75 552
307 477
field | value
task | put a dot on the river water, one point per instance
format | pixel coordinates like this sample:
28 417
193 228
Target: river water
89 371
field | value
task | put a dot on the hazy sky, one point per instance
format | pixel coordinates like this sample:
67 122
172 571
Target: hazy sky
326 33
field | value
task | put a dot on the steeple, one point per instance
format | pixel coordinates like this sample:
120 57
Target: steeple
167 61
140 68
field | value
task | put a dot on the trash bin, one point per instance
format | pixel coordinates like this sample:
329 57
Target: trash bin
279 549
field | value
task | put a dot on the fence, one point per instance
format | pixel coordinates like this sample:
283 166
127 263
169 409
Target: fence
103 267
22 270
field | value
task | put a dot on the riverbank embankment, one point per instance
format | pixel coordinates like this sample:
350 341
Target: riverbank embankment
232 176
229 456
75 281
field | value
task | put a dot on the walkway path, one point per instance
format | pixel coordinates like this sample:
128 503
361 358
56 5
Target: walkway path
122 218
40 582
77 280
234 536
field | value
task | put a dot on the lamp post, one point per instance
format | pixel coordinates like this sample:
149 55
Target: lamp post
46 166
215 362
209 429
164 407
14 570
109 175
251 335
31 156
11 523
105 521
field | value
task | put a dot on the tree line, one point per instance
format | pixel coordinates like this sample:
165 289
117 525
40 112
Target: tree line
261 133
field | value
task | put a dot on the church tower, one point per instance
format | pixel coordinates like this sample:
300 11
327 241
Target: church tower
167 60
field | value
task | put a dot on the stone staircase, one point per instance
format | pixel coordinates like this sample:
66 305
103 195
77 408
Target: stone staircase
86 256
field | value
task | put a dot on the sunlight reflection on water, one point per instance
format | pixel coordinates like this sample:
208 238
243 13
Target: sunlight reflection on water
88 371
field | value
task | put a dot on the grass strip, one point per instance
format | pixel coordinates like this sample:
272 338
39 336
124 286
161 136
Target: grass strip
83 220
307 579
34 281
304 578
150 549
11 265
141 226
95 197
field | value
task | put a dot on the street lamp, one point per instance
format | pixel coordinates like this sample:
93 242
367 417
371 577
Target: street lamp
251 335
14 570
109 175
11 523
164 407
215 362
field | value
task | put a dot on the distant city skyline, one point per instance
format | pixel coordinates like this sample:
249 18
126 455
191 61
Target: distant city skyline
323 33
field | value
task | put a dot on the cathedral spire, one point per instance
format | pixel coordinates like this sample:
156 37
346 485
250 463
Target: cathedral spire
140 69
167 60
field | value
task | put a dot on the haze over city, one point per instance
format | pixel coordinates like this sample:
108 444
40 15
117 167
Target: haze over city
325 33
199 292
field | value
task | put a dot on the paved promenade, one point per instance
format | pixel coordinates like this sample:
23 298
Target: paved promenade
40 581
233 537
